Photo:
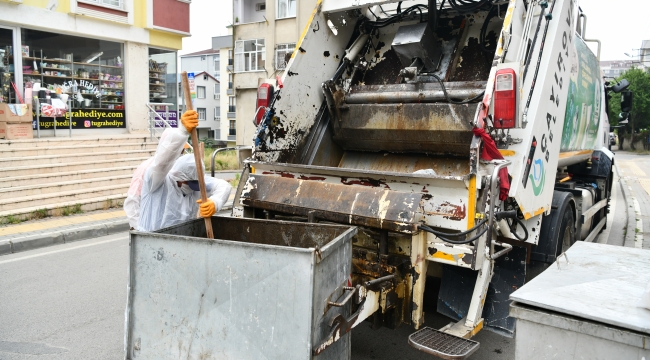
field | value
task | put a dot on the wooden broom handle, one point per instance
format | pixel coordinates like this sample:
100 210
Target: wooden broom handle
197 152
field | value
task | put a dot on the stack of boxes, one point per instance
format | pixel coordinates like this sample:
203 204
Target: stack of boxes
16 121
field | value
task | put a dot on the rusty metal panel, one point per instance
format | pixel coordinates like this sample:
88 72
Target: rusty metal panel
444 201
258 291
426 128
360 205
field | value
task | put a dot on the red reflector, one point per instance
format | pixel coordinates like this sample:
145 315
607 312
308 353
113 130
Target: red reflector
264 94
505 99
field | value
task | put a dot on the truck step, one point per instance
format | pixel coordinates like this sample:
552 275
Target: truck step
441 344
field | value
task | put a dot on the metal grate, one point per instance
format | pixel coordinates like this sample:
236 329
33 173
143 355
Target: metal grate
441 344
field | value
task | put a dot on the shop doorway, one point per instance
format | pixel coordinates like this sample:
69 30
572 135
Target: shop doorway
9 62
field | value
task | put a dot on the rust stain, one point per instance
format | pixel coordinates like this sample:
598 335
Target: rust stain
450 211
364 182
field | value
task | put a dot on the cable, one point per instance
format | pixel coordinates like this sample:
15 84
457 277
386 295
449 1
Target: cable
442 235
444 91
513 230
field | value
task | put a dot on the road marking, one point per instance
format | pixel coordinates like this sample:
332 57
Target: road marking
645 183
638 236
62 250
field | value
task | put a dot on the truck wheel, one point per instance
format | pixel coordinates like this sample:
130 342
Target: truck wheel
567 232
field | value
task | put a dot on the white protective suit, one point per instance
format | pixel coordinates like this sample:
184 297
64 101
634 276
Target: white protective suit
132 201
163 203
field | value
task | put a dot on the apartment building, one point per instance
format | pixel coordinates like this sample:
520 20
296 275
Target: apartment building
116 57
265 33
228 115
205 65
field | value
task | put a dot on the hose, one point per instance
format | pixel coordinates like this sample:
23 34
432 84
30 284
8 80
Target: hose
444 91
442 235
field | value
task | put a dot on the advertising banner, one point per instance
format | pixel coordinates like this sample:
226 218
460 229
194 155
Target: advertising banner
582 116
173 118
190 80
85 119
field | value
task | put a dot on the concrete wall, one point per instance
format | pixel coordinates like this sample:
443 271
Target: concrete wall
195 64
136 91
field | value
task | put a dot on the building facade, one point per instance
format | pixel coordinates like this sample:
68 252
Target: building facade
205 66
112 61
615 68
265 33
228 114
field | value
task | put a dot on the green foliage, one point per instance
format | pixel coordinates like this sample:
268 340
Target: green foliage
40 214
640 114
12 220
71 210
235 182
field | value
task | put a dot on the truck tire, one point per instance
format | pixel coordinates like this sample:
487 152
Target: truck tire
567 236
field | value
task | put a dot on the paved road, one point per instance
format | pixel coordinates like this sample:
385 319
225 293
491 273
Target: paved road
67 301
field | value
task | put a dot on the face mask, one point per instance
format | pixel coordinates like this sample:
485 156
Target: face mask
186 190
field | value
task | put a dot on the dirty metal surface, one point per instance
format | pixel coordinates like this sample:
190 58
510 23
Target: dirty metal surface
426 128
443 202
385 70
376 207
195 298
445 166
459 255
413 92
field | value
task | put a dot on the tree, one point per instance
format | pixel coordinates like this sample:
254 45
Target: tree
640 114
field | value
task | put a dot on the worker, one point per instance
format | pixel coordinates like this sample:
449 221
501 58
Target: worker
133 195
170 190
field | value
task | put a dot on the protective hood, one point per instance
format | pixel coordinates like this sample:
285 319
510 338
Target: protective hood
169 205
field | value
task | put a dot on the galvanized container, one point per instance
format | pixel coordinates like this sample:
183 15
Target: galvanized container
258 292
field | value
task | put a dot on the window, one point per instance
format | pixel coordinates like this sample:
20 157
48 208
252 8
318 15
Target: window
217 95
286 8
117 4
260 7
233 128
201 112
200 92
217 75
283 54
202 57
250 55
217 113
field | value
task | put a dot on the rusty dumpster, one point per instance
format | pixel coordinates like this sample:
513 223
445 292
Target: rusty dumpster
261 290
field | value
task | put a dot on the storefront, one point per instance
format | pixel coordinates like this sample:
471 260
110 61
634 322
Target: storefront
86 75
163 85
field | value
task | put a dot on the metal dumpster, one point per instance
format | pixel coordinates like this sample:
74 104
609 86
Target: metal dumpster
260 291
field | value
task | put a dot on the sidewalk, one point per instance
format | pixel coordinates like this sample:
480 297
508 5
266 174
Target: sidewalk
634 171
36 234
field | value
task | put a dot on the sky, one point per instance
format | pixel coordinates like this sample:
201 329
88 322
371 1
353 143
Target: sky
208 18
620 25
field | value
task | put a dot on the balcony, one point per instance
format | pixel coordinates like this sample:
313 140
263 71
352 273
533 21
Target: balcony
230 90
232 131
230 67
232 111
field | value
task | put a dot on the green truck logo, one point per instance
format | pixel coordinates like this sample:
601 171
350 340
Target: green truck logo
538 177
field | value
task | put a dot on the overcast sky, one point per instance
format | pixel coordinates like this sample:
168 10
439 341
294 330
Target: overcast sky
620 25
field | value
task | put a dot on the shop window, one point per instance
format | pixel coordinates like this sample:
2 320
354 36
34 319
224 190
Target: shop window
200 92
201 112
164 86
80 73
283 54
7 92
286 8
250 55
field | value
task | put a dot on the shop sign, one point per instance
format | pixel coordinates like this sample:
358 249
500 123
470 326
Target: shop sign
83 84
173 118
85 119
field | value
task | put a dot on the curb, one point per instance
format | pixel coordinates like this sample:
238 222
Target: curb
57 237
629 210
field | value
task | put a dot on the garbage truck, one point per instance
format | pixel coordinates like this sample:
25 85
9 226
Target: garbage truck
464 141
